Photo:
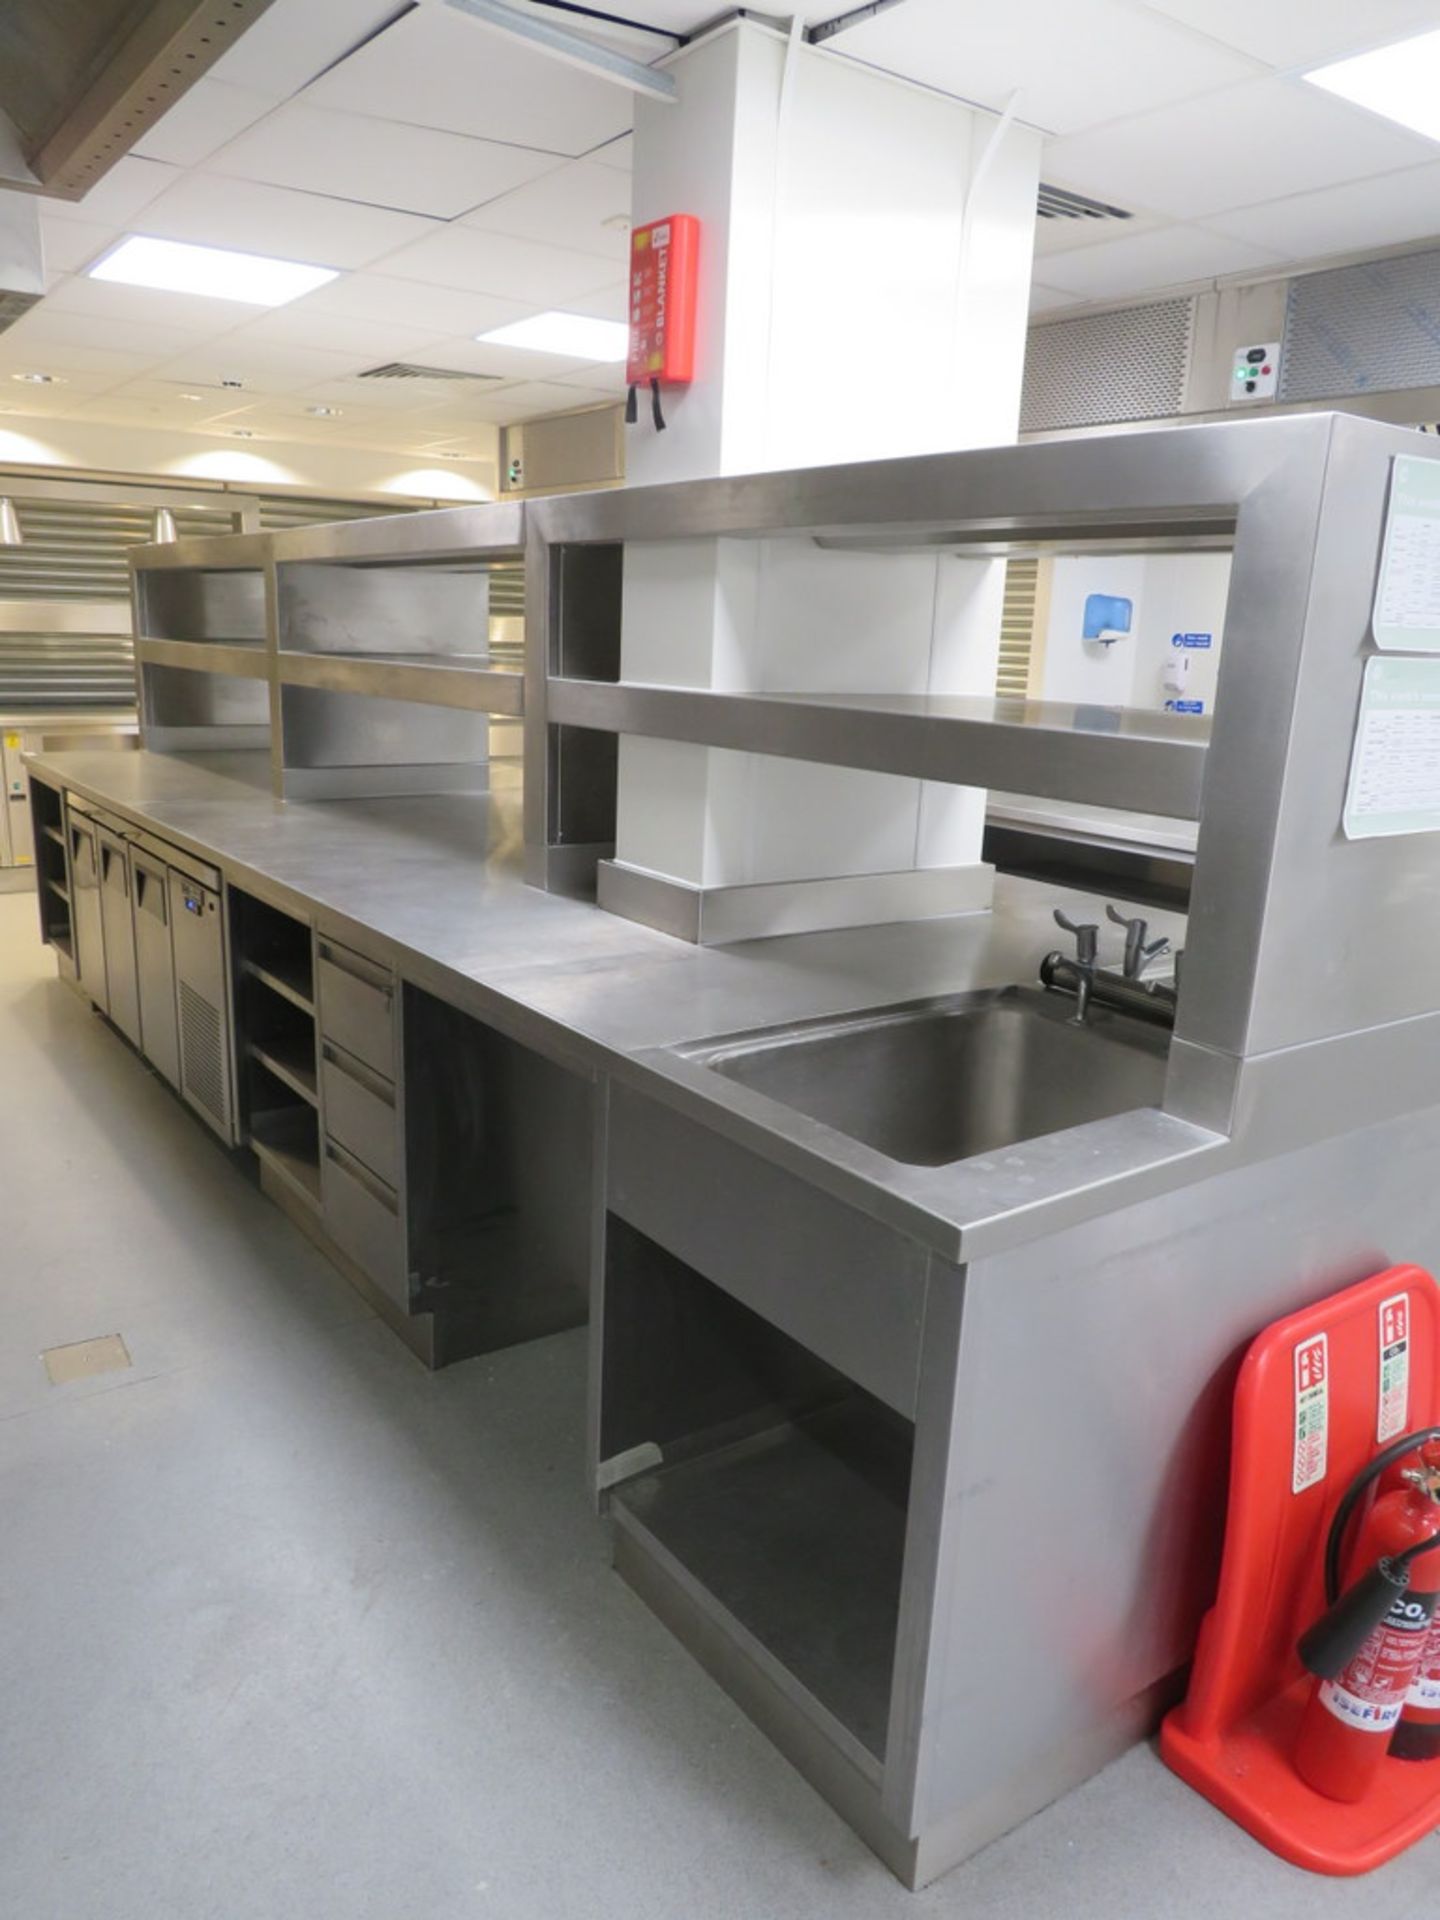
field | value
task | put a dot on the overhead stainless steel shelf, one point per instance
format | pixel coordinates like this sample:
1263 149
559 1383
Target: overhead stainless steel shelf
1105 756
242 659
437 679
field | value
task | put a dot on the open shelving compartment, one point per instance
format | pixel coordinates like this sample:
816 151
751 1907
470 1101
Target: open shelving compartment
386 678
275 1025
779 1507
47 811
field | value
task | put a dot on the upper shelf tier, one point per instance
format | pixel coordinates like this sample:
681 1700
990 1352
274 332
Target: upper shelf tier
1105 756
243 659
440 680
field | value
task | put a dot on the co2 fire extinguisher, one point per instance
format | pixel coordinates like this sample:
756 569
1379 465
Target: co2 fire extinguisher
1418 1735
1368 1650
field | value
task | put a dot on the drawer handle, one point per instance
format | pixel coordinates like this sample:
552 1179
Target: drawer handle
356 1070
362 1176
358 967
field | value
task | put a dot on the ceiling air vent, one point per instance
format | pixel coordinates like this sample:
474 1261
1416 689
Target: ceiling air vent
407 370
1059 203
14 306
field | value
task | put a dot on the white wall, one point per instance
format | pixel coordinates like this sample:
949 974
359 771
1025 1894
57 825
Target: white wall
1172 593
858 300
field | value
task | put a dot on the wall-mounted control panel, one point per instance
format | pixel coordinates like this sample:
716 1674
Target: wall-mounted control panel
1255 374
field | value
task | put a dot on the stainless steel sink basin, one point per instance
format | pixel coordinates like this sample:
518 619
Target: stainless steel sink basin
949 1079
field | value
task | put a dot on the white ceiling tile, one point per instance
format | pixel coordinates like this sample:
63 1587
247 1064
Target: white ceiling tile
681 16
1271 138
508 363
436 69
527 401
334 333
1360 214
610 303
568 208
419 399
1064 236
130 185
1293 33
49 325
1075 66
609 381
294 40
371 296
255 218
263 369
110 301
459 256
386 163
202 120
1167 258
26 353
1046 299
619 154
71 244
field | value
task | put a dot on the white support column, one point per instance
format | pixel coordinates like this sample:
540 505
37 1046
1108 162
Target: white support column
865 274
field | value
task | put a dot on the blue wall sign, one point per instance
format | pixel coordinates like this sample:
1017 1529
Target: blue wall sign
1184 706
1198 642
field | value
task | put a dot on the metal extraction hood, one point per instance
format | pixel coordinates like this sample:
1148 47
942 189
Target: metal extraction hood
82 80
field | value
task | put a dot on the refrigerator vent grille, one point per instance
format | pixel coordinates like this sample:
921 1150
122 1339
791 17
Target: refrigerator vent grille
202 1051
1102 367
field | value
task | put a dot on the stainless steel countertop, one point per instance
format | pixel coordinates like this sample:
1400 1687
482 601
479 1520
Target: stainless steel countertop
436 884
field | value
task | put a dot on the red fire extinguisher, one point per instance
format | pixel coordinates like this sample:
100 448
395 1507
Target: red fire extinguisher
1418 1735
1368 1650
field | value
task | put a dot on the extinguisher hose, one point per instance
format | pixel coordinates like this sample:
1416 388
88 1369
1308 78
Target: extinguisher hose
1350 1499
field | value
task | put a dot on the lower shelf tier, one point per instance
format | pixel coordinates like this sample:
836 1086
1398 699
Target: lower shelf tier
798 1536
287 1140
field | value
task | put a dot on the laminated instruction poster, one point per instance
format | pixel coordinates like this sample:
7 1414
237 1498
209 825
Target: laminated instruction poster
1395 768
1407 599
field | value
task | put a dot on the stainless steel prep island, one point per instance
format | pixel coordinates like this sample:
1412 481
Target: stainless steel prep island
910 1381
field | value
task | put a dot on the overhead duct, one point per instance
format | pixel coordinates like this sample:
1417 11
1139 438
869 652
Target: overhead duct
80 83
22 260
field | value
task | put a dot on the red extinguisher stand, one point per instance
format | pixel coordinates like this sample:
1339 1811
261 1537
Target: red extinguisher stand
1319 1396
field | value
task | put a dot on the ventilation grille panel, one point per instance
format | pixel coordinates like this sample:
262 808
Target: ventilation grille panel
1017 628
1059 203
202 1053
1364 329
14 306
409 370
1105 367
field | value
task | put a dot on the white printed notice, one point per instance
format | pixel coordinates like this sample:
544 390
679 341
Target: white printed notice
1395 768
1407 599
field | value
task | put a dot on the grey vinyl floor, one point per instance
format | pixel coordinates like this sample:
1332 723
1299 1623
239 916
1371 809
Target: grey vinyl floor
290 1627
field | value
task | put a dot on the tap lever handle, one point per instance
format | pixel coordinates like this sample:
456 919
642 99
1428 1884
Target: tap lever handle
1087 938
1136 950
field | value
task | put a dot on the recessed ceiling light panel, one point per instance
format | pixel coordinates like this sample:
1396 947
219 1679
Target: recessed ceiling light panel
568 336
1401 82
174 266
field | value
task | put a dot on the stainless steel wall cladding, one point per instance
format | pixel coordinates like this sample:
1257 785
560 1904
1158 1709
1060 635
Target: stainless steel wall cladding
1101 367
1363 329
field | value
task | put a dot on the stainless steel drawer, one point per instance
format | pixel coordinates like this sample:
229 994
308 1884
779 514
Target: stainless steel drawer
362 1217
357 1006
360 1111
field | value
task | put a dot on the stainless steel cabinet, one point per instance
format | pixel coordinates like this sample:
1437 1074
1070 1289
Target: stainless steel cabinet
197 926
89 926
359 1172
118 916
155 963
